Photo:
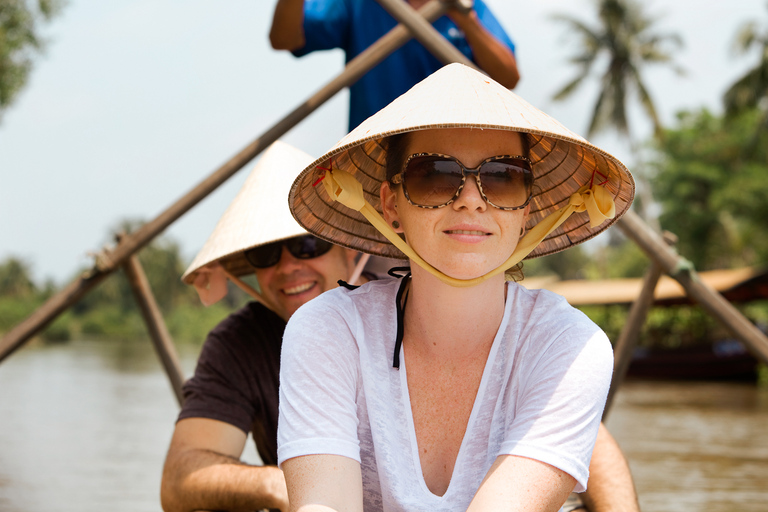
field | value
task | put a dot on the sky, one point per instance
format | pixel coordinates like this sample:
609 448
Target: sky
136 101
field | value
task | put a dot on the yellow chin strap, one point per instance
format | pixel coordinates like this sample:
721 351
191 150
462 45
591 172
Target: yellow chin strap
341 186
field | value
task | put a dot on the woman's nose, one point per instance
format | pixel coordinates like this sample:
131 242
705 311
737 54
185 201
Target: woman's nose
470 196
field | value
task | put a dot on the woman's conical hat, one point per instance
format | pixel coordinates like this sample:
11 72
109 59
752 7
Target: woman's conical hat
258 215
458 96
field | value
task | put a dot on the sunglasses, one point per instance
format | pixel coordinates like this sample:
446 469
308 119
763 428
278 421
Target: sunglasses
433 181
303 247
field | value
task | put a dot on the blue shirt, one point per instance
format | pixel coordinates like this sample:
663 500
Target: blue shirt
354 25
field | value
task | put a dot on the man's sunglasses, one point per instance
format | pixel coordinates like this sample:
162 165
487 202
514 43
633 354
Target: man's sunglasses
303 247
433 181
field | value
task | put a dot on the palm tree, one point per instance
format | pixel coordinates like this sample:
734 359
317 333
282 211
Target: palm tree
624 39
750 91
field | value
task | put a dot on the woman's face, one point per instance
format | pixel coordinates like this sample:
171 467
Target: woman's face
468 238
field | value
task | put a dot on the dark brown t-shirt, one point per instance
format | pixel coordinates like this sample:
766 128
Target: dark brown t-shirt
237 376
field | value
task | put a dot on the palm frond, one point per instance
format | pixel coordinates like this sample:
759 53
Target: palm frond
596 122
569 88
745 38
746 92
648 105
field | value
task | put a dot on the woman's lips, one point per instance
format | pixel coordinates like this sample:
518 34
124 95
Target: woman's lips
466 232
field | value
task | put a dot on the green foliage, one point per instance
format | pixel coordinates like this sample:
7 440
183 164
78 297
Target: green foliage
568 264
110 310
750 91
618 259
622 259
15 309
190 323
671 327
15 279
712 190
19 40
762 375
110 321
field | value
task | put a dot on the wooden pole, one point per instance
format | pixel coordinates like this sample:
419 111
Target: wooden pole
682 271
630 333
153 318
108 261
425 33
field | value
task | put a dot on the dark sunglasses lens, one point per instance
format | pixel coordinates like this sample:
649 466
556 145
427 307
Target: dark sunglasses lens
506 182
264 256
431 180
307 247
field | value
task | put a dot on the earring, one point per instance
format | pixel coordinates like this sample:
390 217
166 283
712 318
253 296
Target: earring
395 224
522 230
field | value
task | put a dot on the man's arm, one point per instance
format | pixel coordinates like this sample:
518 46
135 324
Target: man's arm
287 32
202 471
610 487
490 54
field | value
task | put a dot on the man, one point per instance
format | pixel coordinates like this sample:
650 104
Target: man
234 389
304 26
235 386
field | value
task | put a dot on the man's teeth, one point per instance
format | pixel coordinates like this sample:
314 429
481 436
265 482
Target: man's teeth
298 289
466 232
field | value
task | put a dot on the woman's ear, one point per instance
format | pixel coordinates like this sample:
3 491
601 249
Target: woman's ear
388 198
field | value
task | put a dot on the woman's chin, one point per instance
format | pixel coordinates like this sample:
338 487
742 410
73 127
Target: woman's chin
466 269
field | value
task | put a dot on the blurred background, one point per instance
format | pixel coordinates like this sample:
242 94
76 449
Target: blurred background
110 111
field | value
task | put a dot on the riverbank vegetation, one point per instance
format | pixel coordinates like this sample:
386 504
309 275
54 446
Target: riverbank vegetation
110 311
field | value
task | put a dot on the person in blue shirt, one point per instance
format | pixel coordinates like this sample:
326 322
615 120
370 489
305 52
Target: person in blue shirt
305 26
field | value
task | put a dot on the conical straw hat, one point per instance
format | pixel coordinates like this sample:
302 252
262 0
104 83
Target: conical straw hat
258 215
457 96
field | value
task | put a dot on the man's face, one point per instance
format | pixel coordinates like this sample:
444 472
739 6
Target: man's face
292 281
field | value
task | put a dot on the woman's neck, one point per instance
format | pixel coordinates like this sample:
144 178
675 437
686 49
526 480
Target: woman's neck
444 321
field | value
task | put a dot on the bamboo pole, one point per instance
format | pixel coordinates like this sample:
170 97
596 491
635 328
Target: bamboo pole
630 333
425 33
681 270
153 318
109 260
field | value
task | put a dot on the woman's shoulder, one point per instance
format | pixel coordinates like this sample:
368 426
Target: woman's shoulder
539 300
543 312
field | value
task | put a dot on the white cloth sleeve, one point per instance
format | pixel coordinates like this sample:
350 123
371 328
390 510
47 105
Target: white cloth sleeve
319 376
560 407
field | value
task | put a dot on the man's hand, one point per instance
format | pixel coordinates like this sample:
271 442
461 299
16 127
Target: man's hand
461 6
287 31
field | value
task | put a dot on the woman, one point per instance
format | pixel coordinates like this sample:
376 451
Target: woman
451 389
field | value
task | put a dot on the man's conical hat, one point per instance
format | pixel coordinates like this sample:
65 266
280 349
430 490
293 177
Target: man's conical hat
258 215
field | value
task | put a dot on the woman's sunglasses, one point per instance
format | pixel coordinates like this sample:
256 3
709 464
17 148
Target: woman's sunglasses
303 247
433 181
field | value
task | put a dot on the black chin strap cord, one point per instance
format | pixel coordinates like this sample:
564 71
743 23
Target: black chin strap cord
403 273
400 303
346 285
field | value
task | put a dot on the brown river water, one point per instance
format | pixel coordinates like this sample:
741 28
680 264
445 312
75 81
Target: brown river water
84 427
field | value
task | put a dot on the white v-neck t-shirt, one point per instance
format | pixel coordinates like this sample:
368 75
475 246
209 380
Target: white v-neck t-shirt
541 395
